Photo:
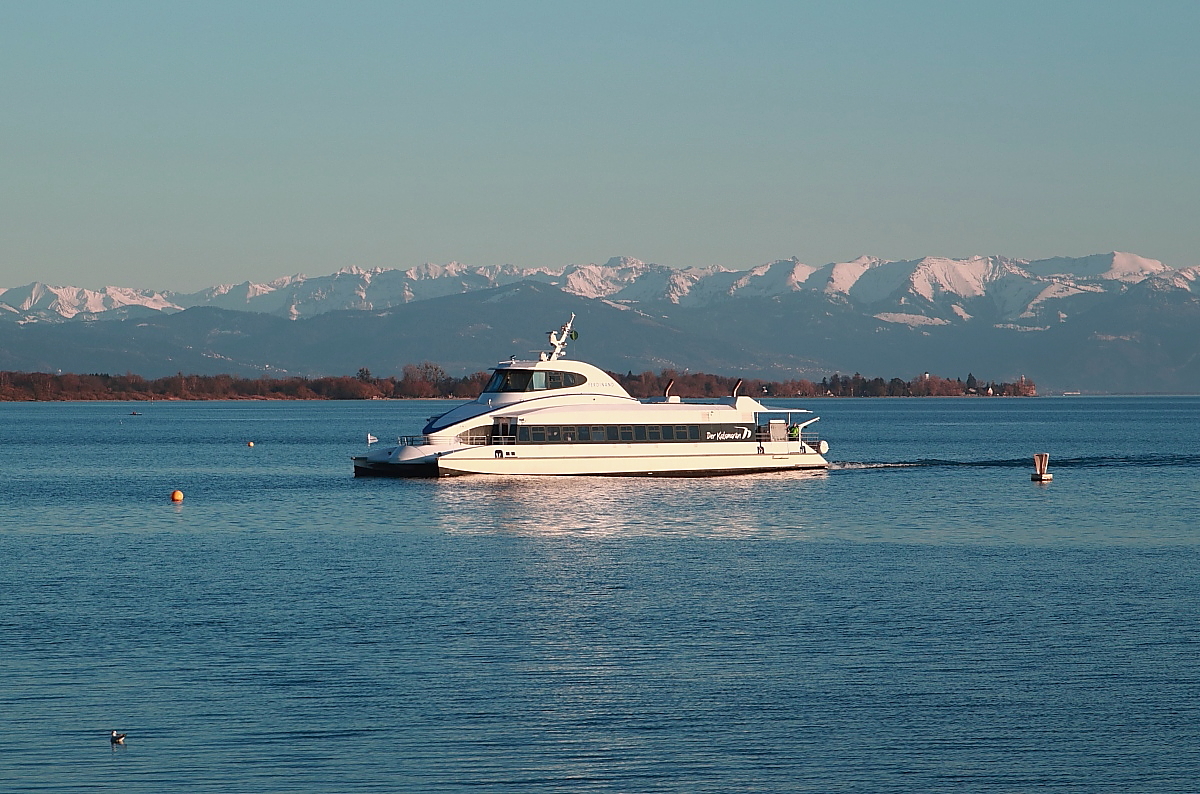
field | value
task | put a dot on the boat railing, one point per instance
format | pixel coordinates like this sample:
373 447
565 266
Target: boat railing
478 440
793 434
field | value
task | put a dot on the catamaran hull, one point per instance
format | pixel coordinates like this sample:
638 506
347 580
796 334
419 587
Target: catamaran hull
634 461
366 468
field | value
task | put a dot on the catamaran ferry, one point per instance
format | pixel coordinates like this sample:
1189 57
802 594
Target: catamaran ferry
555 416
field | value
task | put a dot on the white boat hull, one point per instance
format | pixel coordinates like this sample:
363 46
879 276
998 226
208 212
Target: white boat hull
654 460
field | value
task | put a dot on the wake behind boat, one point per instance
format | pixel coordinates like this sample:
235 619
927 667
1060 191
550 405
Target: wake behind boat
555 416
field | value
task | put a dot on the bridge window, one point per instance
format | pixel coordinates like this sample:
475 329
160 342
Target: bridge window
511 380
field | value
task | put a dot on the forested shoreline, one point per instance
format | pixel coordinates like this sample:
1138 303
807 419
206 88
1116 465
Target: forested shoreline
428 380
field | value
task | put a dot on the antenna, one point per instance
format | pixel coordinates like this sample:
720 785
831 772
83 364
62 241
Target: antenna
558 340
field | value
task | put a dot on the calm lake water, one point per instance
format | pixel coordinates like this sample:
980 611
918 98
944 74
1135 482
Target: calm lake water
920 618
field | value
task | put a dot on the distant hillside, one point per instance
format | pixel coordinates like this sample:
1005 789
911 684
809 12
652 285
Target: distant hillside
1107 323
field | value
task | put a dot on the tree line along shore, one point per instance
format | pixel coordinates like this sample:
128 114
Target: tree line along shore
428 381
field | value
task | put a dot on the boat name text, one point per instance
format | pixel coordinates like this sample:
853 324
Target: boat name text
736 434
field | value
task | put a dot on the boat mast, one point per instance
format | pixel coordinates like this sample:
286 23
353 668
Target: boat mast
558 340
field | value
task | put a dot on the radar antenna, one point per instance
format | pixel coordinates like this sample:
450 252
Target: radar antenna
558 340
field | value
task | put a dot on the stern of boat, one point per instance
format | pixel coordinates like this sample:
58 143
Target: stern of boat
403 460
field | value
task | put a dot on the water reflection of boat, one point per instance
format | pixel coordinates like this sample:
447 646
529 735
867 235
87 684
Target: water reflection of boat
759 504
554 416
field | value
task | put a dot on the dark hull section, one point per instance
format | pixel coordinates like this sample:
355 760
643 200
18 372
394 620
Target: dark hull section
422 470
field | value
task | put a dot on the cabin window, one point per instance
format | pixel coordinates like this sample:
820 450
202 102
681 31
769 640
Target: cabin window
506 380
570 434
509 380
477 435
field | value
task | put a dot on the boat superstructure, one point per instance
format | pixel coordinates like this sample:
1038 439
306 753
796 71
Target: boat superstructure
556 416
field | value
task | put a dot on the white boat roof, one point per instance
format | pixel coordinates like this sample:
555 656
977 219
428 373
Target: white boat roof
596 398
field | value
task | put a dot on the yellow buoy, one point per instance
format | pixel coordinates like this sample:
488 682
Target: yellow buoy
176 496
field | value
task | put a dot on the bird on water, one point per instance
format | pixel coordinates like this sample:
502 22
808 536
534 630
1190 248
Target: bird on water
117 738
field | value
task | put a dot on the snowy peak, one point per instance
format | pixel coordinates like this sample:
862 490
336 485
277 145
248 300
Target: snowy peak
840 278
928 291
773 278
1115 266
38 301
1185 280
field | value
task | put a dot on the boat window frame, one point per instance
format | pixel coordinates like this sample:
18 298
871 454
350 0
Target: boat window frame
631 434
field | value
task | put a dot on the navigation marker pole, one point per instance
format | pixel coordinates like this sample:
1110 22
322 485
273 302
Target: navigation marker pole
1041 462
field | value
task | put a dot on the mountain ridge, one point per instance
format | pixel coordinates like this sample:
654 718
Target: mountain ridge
1106 323
1014 286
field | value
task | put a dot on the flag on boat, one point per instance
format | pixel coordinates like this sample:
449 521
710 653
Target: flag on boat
371 439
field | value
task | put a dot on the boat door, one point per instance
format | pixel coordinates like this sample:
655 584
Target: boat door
778 429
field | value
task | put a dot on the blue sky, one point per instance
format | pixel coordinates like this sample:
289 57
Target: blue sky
179 145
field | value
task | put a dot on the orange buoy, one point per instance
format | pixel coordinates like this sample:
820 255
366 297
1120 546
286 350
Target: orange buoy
249 443
176 496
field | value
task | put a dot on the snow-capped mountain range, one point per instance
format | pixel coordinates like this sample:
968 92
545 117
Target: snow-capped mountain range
921 292
1112 322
